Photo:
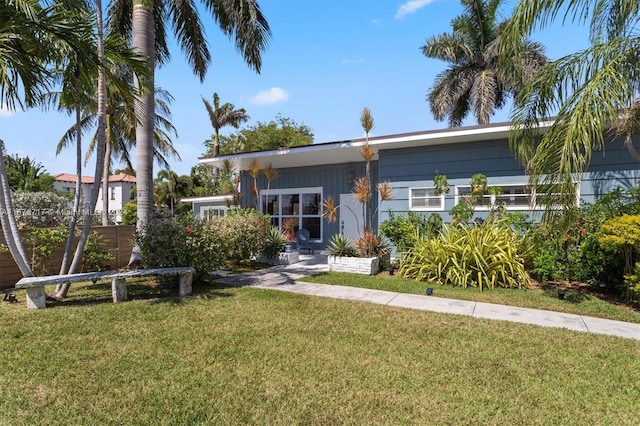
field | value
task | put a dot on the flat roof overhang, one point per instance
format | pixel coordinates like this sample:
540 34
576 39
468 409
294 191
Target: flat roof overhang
348 151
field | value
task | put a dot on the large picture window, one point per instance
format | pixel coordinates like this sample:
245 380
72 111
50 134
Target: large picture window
302 204
425 199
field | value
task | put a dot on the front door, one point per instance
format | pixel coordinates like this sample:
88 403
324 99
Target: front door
351 219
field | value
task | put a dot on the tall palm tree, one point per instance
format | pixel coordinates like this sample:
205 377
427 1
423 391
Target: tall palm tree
120 133
589 92
221 116
475 83
30 40
145 21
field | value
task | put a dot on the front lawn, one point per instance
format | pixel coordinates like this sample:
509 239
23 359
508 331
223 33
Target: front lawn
251 356
574 302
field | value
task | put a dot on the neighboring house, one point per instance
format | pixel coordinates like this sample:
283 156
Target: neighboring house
121 191
309 174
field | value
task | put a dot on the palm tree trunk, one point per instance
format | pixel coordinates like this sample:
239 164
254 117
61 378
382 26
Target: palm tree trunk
7 218
143 43
105 178
76 197
100 148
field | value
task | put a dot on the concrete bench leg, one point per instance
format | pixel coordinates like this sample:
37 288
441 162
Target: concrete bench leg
36 299
118 290
184 288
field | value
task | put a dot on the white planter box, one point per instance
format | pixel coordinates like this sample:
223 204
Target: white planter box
355 265
282 259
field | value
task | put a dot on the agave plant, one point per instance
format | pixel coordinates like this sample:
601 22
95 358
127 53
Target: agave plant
372 245
341 245
275 242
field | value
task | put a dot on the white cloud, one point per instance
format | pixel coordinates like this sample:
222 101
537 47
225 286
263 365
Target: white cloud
412 6
270 97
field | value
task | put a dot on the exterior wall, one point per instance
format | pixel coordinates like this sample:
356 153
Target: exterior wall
416 167
335 179
122 194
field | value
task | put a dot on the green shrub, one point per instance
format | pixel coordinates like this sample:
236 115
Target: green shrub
129 213
547 265
40 244
341 245
275 242
96 256
171 242
632 284
404 232
244 232
478 256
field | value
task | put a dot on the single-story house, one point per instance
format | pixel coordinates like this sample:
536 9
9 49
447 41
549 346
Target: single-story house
410 161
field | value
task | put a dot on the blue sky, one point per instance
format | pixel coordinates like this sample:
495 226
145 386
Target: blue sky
327 60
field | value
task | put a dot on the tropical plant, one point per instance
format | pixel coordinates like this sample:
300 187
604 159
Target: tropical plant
289 225
483 256
369 244
146 23
274 243
222 116
42 209
441 184
26 174
475 83
362 191
341 245
591 92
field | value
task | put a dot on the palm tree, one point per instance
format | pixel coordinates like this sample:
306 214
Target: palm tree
120 133
589 92
31 37
145 22
221 116
475 83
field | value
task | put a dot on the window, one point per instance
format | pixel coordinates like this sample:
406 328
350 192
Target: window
511 196
303 204
425 199
113 193
208 213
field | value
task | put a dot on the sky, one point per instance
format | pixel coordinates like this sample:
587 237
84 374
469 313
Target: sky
326 61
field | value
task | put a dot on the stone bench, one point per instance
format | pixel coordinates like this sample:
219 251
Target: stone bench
36 296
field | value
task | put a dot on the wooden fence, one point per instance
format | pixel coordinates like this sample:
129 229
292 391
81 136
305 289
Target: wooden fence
117 238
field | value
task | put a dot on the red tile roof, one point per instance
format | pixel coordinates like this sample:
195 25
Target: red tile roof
121 177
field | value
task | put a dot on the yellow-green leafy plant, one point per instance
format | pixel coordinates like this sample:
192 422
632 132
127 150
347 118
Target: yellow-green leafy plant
483 256
621 233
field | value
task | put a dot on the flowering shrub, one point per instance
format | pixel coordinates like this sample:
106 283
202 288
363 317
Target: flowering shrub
244 231
206 245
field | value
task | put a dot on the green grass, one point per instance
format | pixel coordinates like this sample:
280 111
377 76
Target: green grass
249 356
574 303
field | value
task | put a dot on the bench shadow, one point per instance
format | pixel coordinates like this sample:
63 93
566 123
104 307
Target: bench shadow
155 293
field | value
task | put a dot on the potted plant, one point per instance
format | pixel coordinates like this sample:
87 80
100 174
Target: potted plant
274 248
362 257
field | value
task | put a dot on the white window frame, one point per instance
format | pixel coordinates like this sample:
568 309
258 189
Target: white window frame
300 192
532 205
206 212
439 197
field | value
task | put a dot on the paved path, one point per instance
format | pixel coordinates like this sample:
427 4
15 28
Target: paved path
286 278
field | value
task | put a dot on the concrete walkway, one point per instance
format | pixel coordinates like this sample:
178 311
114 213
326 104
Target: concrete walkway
285 278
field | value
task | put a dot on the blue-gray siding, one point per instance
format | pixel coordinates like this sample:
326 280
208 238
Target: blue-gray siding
335 179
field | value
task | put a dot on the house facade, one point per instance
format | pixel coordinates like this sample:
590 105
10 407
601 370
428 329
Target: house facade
310 174
121 191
